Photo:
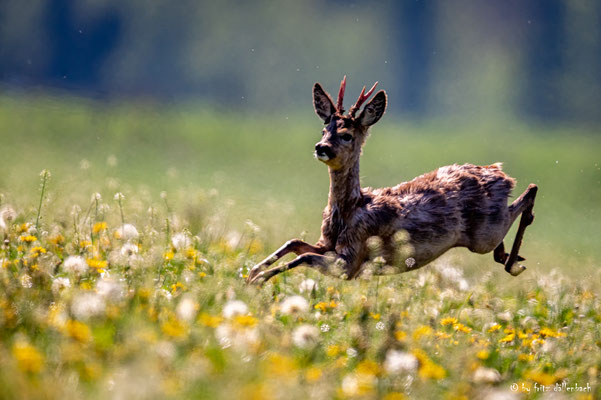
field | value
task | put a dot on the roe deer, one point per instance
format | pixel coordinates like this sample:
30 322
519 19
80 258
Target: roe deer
453 206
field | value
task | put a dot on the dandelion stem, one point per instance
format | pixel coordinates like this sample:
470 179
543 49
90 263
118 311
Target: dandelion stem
121 209
377 290
45 174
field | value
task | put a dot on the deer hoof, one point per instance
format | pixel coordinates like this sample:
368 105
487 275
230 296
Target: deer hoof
256 279
252 274
516 269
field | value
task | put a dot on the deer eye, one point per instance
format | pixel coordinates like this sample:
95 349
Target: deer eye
347 137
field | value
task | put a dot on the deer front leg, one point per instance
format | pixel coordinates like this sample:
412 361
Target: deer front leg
321 262
296 246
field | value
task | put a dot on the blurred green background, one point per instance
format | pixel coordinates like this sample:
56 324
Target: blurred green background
193 95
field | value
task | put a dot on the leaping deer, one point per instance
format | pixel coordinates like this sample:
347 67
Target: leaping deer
453 206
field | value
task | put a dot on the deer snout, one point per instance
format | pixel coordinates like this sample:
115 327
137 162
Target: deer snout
324 152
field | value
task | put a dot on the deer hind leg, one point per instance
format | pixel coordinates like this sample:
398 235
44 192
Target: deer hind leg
295 246
522 205
501 257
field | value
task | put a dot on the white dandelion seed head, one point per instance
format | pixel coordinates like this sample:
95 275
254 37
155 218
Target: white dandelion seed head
453 277
110 288
165 294
60 284
111 161
308 285
400 362
486 375
505 316
119 196
294 305
7 215
26 281
305 336
228 336
87 305
126 232
96 196
254 228
380 325
75 265
129 249
324 328
181 241
165 350
186 309
351 352
233 308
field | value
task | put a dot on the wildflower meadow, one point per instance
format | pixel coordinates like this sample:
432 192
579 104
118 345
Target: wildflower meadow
122 277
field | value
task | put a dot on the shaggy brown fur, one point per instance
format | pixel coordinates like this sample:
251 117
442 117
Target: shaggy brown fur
453 206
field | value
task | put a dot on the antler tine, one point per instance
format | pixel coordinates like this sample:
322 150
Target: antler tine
361 99
341 95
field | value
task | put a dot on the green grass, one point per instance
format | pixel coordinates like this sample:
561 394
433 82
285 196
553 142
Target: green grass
189 170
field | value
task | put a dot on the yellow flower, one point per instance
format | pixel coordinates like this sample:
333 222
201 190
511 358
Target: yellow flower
255 247
333 350
85 243
99 227
526 357
448 321
462 328
427 367
98 265
313 374
400 335
245 320
394 396
375 316
483 354
324 306
508 338
57 239
78 331
177 286
27 238
442 335
280 365
423 330
29 359
542 378
168 255
548 332
494 328
174 328
37 250
209 320
368 367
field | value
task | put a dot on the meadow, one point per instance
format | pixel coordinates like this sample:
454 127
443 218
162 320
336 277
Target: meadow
128 230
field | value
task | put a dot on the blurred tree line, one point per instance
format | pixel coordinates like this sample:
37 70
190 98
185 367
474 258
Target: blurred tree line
537 59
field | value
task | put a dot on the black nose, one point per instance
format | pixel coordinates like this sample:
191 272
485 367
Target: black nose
324 150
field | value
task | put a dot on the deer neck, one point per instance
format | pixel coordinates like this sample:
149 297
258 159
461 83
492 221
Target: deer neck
345 189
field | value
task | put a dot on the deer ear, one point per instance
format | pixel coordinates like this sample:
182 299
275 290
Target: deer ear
374 110
324 106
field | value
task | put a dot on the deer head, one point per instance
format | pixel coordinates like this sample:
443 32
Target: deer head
344 135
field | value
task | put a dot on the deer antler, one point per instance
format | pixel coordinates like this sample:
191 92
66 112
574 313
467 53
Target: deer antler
362 97
341 95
